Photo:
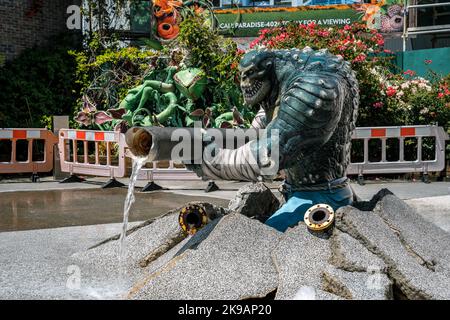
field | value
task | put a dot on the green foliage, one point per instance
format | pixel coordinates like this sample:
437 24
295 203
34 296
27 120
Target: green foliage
362 47
38 84
387 97
105 73
218 57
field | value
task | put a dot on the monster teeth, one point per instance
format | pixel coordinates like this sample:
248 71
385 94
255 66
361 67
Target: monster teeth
252 90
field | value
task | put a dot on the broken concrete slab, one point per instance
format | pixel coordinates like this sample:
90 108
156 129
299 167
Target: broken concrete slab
409 272
144 243
189 243
425 239
365 242
371 285
232 262
386 251
255 200
312 259
300 257
349 254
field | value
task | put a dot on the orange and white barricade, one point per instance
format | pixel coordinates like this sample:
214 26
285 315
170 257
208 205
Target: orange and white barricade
80 153
76 159
396 137
14 160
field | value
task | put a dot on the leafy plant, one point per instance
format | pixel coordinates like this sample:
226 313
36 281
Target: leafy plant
218 57
105 73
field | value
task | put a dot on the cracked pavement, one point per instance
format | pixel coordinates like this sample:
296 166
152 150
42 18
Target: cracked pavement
389 252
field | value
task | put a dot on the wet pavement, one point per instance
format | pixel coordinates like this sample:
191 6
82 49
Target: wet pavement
30 210
36 264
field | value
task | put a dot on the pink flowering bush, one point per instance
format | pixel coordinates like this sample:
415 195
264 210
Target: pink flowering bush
431 103
355 43
410 99
386 98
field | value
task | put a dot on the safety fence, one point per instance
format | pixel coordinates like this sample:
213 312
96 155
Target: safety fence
106 154
406 149
385 150
26 150
166 170
94 153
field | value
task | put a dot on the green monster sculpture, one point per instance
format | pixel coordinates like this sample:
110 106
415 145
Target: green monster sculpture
308 102
190 83
311 99
171 102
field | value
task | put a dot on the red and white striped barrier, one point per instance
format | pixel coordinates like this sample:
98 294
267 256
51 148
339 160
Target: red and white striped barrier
401 165
394 132
30 135
70 162
156 172
99 136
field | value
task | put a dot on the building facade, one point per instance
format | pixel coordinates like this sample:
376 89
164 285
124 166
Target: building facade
28 23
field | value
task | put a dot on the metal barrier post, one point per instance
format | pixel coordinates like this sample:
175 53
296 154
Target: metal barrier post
59 122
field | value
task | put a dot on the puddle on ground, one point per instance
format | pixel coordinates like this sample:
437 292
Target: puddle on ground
29 210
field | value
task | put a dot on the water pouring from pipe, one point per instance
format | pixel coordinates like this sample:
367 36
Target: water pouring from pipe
138 163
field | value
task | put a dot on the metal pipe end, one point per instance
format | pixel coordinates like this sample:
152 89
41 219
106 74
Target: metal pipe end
139 141
192 218
319 217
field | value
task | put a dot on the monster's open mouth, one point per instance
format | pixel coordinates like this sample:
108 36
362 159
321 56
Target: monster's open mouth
252 90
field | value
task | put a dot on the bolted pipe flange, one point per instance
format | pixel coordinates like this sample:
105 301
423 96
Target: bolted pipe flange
192 218
319 217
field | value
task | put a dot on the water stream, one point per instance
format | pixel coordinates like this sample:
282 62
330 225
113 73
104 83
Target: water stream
138 162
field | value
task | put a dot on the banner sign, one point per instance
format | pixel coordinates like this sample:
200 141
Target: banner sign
384 15
247 22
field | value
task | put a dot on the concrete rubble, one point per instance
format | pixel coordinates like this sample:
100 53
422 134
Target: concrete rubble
383 250
228 264
255 200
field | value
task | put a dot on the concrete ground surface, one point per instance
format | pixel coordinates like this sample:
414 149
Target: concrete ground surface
404 190
34 264
30 210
